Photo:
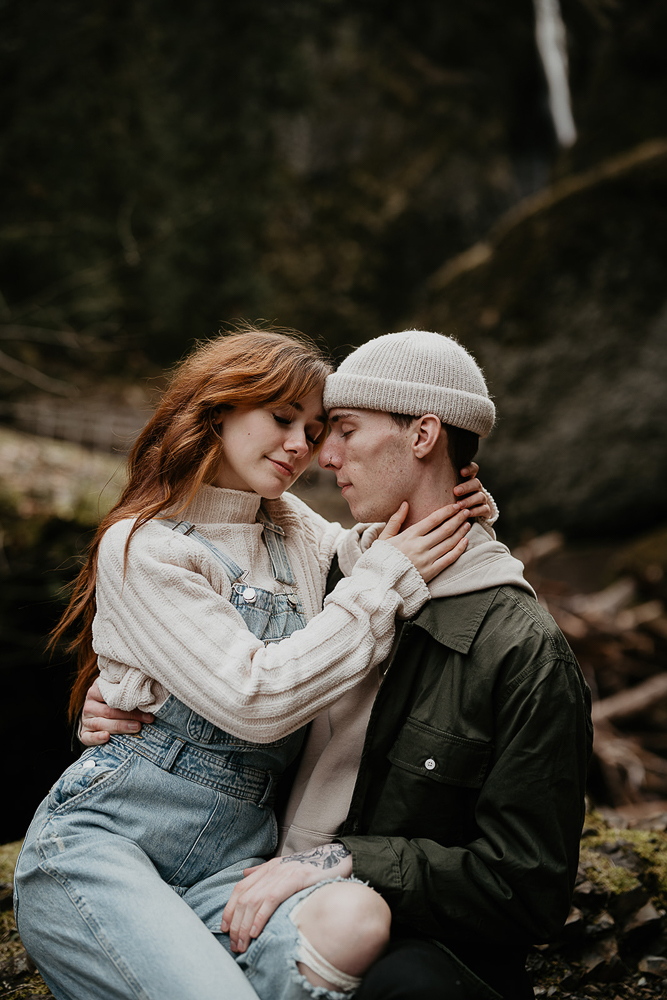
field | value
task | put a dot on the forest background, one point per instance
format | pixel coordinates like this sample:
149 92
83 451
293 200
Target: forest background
349 169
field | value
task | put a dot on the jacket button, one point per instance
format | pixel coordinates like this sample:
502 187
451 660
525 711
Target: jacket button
429 764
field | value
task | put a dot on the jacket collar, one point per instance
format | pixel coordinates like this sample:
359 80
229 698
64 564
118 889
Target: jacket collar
455 621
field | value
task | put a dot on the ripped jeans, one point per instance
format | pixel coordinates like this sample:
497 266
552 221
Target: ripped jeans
102 923
270 962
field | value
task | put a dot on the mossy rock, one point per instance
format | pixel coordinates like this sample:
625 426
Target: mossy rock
18 976
618 860
8 856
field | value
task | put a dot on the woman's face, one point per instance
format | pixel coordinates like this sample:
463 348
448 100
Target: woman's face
265 449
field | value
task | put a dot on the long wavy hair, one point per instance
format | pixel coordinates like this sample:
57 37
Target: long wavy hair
179 448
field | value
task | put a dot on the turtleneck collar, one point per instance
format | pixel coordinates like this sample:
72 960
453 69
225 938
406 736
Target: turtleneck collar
213 505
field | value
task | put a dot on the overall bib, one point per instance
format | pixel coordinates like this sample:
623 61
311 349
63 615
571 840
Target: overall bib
132 824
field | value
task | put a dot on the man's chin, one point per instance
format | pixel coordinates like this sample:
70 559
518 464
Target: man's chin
366 514
356 509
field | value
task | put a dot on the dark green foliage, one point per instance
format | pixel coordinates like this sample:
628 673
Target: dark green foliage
165 167
134 163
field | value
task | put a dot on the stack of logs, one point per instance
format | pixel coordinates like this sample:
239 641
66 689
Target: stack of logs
620 639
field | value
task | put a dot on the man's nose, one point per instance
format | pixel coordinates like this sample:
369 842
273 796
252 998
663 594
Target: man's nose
327 458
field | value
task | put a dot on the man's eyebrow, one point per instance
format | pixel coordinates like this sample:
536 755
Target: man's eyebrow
341 416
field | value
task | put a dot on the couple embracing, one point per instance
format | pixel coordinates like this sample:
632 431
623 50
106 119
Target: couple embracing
393 696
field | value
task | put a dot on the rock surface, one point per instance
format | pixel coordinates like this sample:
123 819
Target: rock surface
565 306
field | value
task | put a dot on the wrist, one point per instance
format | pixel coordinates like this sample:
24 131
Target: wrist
325 861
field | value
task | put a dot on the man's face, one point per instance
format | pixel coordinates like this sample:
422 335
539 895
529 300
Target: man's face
372 459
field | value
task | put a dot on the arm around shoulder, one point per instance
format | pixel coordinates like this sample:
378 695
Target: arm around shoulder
160 619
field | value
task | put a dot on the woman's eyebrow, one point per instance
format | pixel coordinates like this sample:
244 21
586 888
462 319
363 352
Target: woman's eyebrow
321 418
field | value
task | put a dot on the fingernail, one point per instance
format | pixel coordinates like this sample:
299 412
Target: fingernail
133 727
253 931
224 926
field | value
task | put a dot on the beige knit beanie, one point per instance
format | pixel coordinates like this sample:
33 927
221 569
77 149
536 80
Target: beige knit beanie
414 372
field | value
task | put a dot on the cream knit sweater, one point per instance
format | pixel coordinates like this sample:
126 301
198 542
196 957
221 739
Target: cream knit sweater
164 623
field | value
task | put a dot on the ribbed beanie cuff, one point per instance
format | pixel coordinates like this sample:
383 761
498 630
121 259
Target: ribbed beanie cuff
414 372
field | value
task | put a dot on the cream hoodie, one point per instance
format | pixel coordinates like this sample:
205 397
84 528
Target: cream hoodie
324 784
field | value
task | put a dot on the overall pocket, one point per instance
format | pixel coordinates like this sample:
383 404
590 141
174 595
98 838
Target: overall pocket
97 766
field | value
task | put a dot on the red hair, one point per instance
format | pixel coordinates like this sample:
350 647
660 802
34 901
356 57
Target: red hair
179 448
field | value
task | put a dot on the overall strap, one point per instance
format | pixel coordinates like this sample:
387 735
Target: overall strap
274 536
233 571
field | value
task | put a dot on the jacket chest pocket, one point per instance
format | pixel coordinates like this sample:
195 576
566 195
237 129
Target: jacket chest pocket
442 757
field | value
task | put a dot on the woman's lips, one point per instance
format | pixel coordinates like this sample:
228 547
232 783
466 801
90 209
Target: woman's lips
286 470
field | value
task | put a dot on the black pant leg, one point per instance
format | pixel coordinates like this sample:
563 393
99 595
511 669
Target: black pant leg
413 970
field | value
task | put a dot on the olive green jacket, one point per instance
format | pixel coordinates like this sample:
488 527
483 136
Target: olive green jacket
469 802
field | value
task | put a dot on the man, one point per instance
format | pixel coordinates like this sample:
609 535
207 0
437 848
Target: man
452 781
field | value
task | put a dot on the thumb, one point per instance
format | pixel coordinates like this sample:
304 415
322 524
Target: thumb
393 525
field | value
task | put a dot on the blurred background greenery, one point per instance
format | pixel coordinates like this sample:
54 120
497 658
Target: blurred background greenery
348 169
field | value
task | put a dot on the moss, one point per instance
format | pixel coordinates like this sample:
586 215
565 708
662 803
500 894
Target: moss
602 871
648 845
22 985
8 856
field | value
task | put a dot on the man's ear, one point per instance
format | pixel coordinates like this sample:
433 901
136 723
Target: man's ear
427 431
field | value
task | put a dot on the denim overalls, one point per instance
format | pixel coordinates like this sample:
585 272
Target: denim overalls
182 800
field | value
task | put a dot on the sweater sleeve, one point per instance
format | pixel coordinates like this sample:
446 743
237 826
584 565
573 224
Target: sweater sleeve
159 620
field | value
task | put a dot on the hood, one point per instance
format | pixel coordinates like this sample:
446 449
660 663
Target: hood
485 563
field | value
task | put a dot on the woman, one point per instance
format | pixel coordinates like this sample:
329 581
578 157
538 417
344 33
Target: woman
194 603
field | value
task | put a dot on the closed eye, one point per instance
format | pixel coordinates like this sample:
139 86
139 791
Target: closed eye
286 421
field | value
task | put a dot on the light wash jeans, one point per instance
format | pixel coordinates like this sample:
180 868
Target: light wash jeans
103 925
126 849
270 962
